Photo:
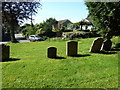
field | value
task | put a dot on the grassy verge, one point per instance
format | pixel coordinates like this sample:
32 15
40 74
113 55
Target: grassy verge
31 68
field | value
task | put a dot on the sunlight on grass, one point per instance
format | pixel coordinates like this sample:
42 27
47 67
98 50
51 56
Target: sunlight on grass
35 70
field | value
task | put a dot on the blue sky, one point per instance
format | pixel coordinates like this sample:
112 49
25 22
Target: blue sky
74 11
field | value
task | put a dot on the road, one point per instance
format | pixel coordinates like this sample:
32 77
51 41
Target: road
3 42
19 38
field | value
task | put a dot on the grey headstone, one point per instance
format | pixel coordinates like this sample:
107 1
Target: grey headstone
5 50
72 48
107 44
52 52
96 45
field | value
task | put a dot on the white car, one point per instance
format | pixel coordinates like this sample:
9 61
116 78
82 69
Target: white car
35 38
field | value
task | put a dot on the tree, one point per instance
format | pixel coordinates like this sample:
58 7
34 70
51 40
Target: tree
81 23
47 27
49 22
27 30
14 13
105 16
76 25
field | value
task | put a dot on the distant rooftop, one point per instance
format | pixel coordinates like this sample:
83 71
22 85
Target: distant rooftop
62 21
89 19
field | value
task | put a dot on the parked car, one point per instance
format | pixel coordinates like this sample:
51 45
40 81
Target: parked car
35 38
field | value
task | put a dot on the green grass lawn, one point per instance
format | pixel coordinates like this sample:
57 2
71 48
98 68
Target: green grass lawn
35 70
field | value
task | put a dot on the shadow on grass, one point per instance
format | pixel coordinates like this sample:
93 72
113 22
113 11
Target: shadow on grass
115 49
80 55
58 57
11 59
108 52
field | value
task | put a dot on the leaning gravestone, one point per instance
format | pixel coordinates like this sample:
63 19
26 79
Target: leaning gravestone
52 51
5 52
72 47
96 45
107 45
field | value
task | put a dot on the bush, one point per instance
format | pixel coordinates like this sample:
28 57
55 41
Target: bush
117 45
68 30
45 37
39 31
73 35
27 30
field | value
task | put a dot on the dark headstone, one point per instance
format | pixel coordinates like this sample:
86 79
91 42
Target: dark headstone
52 51
5 50
107 44
72 47
96 45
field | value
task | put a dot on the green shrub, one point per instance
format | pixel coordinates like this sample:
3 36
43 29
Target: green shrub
40 31
27 30
73 35
45 37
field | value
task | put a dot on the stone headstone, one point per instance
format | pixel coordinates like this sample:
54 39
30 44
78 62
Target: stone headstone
52 52
96 45
72 47
107 44
5 50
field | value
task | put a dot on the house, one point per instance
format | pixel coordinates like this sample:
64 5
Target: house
61 23
70 26
88 20
87 27
64 22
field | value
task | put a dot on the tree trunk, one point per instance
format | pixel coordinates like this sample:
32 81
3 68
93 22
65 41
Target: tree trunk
12 33
86 27
12 29
81 27
13 40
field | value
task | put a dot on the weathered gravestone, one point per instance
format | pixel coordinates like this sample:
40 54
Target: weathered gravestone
5 52
72 47
52 52
96 45
107 44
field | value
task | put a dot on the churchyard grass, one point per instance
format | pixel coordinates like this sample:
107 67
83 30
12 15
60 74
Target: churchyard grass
35 70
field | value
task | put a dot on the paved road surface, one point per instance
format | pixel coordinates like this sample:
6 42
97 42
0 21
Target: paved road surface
3 42
19 38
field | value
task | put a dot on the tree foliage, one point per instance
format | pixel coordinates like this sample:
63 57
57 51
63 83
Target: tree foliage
14 13
27 30
81 23
44 29
105 16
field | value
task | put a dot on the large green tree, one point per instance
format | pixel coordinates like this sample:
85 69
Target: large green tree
14 13
46 27
42 29
105 16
